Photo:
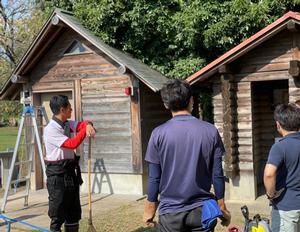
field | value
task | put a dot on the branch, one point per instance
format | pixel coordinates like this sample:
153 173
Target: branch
3 15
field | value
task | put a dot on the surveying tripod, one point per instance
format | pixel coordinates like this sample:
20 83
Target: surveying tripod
29 112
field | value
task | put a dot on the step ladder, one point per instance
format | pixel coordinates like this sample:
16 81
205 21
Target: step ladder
28 125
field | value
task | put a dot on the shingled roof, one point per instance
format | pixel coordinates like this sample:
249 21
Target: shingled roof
153 79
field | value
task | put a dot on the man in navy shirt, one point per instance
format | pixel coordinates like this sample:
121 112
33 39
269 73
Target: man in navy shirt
185 159
282 171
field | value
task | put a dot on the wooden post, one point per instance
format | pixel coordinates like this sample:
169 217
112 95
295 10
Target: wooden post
228 89
38 172
78 115
77 100
136 129
294 69
18 79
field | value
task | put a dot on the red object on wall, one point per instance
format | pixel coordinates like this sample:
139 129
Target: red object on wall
128 91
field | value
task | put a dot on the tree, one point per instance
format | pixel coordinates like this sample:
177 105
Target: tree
178 37
173 36
19 23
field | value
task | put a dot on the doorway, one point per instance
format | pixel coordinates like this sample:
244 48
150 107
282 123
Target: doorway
45 101
265 96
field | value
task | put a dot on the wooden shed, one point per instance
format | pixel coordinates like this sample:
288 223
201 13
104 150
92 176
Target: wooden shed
246 84
118 93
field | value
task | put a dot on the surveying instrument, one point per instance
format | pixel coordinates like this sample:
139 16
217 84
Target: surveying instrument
31 137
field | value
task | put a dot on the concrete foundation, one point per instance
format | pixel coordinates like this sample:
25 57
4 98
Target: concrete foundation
114 183
241 188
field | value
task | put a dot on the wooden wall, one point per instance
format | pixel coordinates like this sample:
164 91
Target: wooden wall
98 91
153 113
242 126
268 62
218 106
106 105
58 71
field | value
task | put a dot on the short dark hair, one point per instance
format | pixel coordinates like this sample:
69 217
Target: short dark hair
57 102
288 116
176 94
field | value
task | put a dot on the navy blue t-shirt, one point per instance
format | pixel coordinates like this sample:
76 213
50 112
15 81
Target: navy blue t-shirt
185 148
285 155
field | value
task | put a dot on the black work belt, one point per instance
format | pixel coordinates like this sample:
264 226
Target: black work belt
69 169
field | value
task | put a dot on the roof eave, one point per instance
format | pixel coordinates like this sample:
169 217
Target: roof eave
244 47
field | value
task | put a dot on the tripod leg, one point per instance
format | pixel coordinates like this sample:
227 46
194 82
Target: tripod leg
7 186
39 144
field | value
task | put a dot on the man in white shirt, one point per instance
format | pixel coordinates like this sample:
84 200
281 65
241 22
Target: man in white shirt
63 170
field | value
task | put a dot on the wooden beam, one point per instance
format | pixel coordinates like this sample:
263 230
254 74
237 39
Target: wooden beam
38 172
136 131
292 26
77 100
224 69
57 22
18 79
122 69
294 69
39 52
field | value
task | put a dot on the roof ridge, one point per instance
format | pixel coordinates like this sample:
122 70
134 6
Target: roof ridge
60 10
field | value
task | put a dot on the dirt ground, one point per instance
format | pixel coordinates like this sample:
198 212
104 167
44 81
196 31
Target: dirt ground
111 213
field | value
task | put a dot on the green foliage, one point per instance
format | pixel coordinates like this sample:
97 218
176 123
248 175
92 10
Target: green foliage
185 66
5 70
205 99
10 112
47 6
173 36
178 37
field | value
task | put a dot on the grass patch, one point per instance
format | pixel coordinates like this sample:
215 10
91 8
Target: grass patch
122 219
8 136
128 218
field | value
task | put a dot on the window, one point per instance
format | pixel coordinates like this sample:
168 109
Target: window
75 48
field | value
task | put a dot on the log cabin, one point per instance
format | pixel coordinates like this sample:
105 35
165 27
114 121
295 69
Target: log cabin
245 84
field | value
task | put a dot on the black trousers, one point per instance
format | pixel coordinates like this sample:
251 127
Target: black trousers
188 221
64 202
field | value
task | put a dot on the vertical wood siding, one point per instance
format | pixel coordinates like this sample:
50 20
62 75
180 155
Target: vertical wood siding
99 96
106 105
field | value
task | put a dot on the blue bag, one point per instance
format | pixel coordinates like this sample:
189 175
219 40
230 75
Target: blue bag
210 212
